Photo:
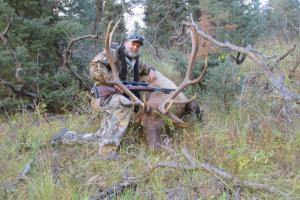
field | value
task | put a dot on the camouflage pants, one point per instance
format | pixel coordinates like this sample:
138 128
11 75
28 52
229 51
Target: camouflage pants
114 123
113 126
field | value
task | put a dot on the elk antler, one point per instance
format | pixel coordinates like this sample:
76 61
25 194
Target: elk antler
116 79
165 107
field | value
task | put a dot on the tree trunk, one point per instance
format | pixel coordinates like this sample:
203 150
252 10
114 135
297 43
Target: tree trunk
99 14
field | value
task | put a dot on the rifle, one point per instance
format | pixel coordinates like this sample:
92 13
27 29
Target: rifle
102 91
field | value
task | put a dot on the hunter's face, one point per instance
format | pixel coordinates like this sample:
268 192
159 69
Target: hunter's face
132 48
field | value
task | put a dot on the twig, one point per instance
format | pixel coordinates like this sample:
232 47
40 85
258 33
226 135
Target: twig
171 151
115 190
21 177
4 38
7 27
27 168
286 54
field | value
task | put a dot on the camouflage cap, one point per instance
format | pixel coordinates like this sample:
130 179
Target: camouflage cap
136 38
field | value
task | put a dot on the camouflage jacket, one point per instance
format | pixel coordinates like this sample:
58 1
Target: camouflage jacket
100 69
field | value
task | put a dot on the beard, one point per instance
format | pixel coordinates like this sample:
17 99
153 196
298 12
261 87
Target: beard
131 54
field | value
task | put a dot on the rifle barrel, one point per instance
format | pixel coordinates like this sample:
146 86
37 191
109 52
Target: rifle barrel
134 83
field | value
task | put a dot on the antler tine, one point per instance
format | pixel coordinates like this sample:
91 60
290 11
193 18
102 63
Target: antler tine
179 122
116 80
108 39
195 47
169 105
173 101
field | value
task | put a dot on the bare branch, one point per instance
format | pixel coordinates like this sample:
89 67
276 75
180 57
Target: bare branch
19 92
287 53
4 33
5 40
114 190
22 176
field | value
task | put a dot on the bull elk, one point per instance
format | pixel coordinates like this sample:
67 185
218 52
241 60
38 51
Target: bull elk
157 104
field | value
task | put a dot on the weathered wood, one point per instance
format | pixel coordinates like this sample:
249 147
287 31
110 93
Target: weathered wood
115 190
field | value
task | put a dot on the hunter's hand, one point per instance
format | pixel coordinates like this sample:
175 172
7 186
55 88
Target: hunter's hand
152 76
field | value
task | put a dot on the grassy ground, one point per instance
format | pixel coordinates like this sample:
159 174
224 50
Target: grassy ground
249 141
265 155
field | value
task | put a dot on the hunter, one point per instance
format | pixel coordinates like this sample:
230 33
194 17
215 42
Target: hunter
116 116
